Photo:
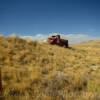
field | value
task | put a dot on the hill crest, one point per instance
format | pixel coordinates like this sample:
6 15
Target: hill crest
29 67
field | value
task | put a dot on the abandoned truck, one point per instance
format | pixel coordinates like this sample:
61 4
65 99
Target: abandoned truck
55 39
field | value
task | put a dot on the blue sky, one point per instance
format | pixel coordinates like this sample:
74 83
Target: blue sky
29 17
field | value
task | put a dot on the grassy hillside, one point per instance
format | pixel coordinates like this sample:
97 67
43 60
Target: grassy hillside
40 71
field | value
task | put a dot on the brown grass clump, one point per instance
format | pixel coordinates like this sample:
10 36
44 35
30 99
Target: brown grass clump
39 71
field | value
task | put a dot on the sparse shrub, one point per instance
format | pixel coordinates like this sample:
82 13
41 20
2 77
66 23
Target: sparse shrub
45 60
35 43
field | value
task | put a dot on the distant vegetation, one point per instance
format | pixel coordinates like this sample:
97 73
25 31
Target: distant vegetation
40 71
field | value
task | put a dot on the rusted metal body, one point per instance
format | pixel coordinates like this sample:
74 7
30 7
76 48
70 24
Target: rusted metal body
55 39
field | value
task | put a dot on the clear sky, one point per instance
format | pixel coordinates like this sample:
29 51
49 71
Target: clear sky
29 17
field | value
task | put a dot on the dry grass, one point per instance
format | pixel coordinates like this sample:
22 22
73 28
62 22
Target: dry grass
33 71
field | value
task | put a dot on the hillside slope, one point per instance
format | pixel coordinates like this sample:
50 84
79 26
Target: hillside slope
40 71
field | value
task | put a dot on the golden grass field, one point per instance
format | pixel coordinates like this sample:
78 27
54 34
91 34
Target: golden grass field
40 71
